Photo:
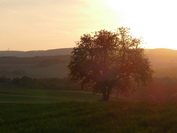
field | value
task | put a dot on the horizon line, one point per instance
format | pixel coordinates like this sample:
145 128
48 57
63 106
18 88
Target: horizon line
70 48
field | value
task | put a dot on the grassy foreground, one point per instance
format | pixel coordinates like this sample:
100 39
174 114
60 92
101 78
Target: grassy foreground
88 117
52 111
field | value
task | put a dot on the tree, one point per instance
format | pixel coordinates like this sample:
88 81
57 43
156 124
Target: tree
109 60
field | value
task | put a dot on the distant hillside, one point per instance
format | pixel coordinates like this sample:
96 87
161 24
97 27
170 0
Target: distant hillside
53 63
164 62
52 52
161 58
35 67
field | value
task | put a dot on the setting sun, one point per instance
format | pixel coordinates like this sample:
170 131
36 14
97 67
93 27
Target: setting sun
154 21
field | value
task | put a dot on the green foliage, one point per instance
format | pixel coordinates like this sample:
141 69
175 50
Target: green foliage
93 117
108 60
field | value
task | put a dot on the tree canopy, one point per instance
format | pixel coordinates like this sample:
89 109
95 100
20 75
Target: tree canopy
109 60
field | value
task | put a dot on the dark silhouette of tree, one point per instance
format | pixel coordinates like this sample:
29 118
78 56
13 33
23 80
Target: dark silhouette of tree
107 60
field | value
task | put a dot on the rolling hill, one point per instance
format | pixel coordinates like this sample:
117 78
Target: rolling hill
51 52
164 62
53 63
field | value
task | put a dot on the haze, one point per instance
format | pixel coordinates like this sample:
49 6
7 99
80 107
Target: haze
49 24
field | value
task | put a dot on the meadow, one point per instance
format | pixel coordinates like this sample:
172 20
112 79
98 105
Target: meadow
64 111
34 96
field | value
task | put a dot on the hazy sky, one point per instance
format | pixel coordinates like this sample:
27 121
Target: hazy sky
50 24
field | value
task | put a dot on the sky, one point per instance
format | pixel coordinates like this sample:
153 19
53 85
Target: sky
50 24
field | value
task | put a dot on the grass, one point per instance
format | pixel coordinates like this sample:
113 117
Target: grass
50 111
89 117
45 96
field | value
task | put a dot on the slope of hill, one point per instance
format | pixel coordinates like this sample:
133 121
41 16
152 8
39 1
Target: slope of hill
162 57
52 52
35 67
53 63
164 62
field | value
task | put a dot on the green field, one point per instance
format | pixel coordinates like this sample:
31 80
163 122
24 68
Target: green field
45 96
56 111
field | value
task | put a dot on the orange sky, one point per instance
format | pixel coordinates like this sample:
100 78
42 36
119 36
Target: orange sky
49 24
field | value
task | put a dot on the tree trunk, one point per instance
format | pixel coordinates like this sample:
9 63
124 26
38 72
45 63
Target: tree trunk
106 93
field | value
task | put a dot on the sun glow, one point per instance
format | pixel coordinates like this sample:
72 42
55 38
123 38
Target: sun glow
154 21
49 24
113 4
